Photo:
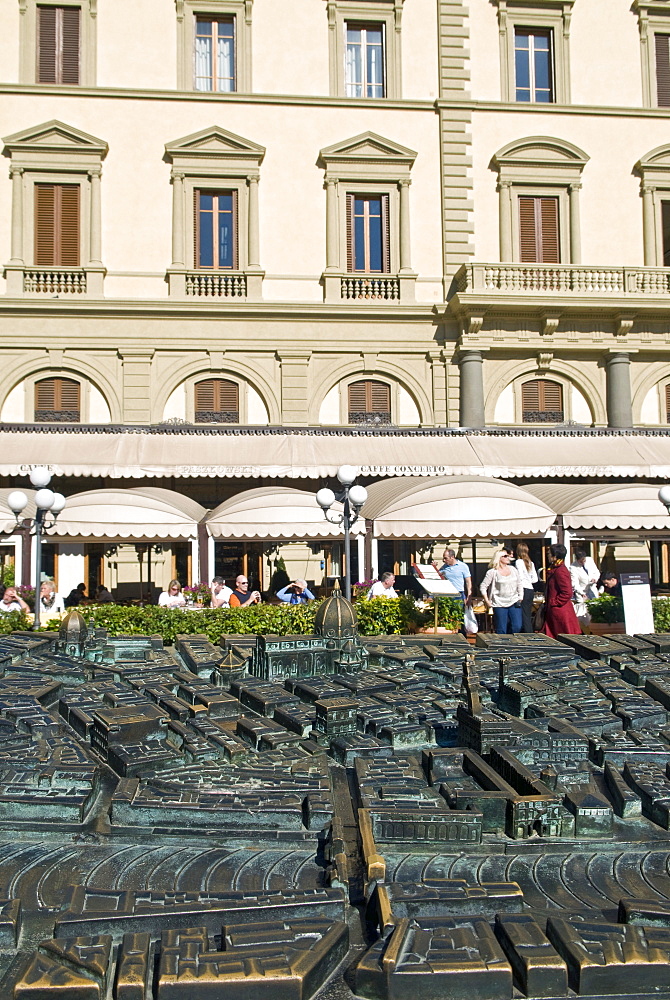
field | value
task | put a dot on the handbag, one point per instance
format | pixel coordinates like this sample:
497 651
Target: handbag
470 620
540 616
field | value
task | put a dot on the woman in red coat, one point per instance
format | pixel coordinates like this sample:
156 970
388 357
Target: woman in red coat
559 615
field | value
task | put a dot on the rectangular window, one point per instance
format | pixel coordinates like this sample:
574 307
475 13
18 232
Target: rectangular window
58 45
534 69
57 225
539 230
364 66
665 227
217 401
57 399
662 45
542 402
215 229
214 56
368 233
369 403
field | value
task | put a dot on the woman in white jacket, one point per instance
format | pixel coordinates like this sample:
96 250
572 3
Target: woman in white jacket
502 590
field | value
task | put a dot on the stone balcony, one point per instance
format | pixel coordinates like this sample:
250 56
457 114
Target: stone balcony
202 285
54 282
550 291
374 288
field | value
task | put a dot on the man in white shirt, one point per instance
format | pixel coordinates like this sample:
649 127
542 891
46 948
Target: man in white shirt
12 602
220 593
383 587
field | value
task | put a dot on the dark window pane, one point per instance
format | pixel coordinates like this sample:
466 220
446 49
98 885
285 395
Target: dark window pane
206 240
375 242
522 75
206 202
542 69
359 242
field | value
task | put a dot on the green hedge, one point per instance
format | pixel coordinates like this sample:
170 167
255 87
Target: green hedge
606 609
380 616
15 621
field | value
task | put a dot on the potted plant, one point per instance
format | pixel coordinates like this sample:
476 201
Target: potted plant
606 615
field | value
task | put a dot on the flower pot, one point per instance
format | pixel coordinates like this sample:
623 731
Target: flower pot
607 628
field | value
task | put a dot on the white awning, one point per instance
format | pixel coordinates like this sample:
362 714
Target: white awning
146 513
454 506
275 512
633 506
316 453
7 519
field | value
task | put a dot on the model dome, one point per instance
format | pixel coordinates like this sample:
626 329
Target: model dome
336 618
73 629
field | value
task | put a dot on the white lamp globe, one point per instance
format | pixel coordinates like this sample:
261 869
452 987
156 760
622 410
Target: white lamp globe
44 499
58 504
325 498
664 496
346 474
40 477
358 495
17 501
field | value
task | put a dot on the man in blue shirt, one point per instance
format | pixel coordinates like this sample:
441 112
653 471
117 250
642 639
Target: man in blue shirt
295 593
456 572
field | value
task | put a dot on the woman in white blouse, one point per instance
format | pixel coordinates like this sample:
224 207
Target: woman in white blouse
172 597
501 589
526 570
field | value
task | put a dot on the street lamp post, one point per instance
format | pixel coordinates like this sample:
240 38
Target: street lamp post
352 497
47 502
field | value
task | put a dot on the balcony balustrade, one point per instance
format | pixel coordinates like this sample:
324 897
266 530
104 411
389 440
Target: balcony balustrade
563 279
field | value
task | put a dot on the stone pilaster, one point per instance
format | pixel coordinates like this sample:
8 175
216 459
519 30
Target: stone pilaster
294 389
136 362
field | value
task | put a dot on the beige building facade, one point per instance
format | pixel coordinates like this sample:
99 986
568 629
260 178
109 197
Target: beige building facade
364 215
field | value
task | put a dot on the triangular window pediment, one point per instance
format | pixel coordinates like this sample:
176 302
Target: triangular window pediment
214 142
55 136
368 146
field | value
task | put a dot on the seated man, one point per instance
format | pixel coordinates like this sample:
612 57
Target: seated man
610 584
296 592
240 597
383 587
220 593
12 602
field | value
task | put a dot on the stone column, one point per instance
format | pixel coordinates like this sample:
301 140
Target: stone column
17 215
649 225
332 242
505 202
253 227
575 225
95 255
178 220
619 405
405 247
472 389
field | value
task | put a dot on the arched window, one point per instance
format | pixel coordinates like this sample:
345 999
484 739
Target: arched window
217 401
57 400
369 402
542 402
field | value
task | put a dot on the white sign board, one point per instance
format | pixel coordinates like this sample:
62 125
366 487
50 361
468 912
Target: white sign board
439 587
637 610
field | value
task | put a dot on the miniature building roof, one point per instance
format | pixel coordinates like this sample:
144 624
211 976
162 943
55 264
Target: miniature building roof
335 617
73 628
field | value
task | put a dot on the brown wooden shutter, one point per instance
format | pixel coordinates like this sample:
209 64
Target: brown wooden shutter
539 238
57 399
662 70
69 226
217 400
45 225
386 240
369 402
667 403
70 35
46 45
58 44
196 230
542 401
236 242
57 225
350 233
